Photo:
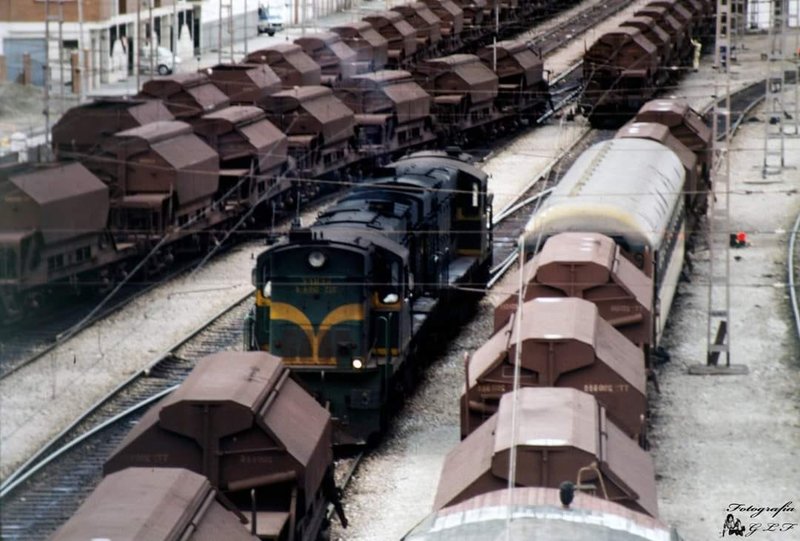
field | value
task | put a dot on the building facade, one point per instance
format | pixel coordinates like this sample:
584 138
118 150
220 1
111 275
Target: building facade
32 31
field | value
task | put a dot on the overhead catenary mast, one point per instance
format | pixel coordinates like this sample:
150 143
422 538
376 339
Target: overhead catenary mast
780 106
138 45
718 335
226 18
81 67
151 37
175 31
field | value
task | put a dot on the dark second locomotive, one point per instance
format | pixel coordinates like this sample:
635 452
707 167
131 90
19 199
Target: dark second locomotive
348 301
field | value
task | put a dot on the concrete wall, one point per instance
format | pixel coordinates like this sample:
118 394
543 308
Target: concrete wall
209 32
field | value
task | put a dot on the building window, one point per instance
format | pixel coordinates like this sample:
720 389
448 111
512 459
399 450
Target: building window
8 263
83 254
55 262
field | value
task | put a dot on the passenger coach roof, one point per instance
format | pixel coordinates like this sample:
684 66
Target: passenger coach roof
538 514
621 188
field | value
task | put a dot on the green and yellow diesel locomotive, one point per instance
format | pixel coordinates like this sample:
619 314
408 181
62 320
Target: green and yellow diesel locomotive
348 301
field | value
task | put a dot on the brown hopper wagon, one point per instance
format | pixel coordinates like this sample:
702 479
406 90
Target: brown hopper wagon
186 95
392 111
294 67
165 504
371 48
588 266
400 35
452 20
520 70
319 126
260 439
561 435
245 84
335 58
426 23
564 343
160 174
252 151
82 129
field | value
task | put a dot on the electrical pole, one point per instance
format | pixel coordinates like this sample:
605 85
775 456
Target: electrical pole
137 43
226 6
496 31
718 340
151 35
175 31
46 68
779 106
81 75
61 55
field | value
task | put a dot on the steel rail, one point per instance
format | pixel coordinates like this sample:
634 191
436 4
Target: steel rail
64 336
83 437
498 271
346 480
4 486
790 263
144 372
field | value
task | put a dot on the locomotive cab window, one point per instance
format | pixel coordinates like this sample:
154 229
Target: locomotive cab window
388 282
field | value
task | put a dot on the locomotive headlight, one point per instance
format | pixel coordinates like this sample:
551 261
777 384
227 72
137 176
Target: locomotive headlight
316 259
358 364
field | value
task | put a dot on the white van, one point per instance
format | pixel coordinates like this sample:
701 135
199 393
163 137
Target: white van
162 63
271 18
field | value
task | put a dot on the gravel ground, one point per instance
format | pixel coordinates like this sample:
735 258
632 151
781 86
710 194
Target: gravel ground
703 428
696 87
45 396
394 486
39 400
716 440
527 156
719 440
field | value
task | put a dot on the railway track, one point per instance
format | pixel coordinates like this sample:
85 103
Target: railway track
46 490
25 343
743 101
793 265
564 32
38 497
510 221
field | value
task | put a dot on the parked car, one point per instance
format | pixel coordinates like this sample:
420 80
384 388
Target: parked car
270 19
162 62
